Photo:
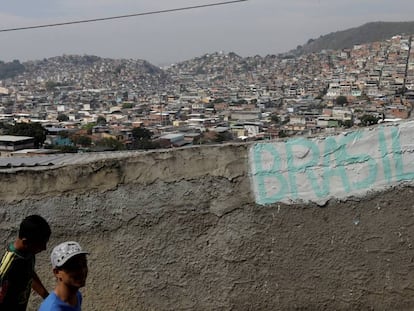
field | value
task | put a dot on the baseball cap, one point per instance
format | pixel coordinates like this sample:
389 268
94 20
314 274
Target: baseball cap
65 251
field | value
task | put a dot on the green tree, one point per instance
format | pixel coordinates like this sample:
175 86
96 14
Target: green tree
66 149
82 140
35 130
347 123
275 118
101 120
341 100
221 137
142 138
286 120
218 100
110 143
242 102
369 119
10 70
127 105
50 85
88 127
62 117
141 133
283 134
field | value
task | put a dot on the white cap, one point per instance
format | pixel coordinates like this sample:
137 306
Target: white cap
65 251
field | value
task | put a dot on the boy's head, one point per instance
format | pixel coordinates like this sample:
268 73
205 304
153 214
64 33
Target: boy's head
69 264
34 232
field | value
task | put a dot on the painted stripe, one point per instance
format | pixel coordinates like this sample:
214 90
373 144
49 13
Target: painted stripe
6 263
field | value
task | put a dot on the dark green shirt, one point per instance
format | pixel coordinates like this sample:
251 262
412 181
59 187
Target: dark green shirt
16 274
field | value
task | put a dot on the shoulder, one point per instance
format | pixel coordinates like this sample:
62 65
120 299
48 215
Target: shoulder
50 303
14 265
8 261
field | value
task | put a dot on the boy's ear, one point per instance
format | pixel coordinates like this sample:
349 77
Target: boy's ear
56 273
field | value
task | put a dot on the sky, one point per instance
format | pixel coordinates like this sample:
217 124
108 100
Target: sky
252 27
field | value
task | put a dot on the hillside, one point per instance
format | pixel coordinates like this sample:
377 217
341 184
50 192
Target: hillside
70 67
11 69
370 32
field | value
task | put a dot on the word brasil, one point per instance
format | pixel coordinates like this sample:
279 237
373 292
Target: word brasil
334 167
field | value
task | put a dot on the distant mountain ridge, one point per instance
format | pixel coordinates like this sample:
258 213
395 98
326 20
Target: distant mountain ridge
370 32
211 63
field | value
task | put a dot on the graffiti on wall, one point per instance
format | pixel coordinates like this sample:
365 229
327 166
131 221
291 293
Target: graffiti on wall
316 170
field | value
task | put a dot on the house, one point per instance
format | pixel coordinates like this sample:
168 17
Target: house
173 140
10 143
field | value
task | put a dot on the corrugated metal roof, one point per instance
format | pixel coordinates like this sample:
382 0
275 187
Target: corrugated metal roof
60 159
11 138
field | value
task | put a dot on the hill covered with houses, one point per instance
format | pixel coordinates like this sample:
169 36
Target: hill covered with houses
92 103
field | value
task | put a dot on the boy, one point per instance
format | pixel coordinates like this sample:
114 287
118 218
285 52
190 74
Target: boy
17 275
70 269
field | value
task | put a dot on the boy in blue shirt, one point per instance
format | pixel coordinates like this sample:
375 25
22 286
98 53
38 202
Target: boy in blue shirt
70 269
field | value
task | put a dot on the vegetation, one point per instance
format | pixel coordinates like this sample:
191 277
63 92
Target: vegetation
347 123
142 138
212 137
62 117
283 134
51 85
110 144
88 127
101 120
82 140
65 149
218 100
370 32
127 105
10 70
341 100
368 119
35 130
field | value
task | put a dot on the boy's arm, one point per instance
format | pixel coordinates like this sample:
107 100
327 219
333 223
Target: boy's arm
38 287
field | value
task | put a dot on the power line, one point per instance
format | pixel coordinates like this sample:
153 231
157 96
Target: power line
121 16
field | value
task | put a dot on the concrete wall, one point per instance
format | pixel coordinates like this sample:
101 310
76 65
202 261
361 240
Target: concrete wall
185 230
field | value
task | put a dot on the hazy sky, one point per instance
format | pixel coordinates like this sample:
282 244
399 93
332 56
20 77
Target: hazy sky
246 28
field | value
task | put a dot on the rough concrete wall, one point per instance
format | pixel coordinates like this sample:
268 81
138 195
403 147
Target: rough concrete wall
179 230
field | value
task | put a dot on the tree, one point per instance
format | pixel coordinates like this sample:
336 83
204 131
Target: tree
369 119
242 102
110 144
127 105
50 85
286 120
66 149
10 70
275 118
141 133
341 100
347 123
62 117
82 140
283 134
218 100
88 127
101 120
142 138
223 136
35 130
